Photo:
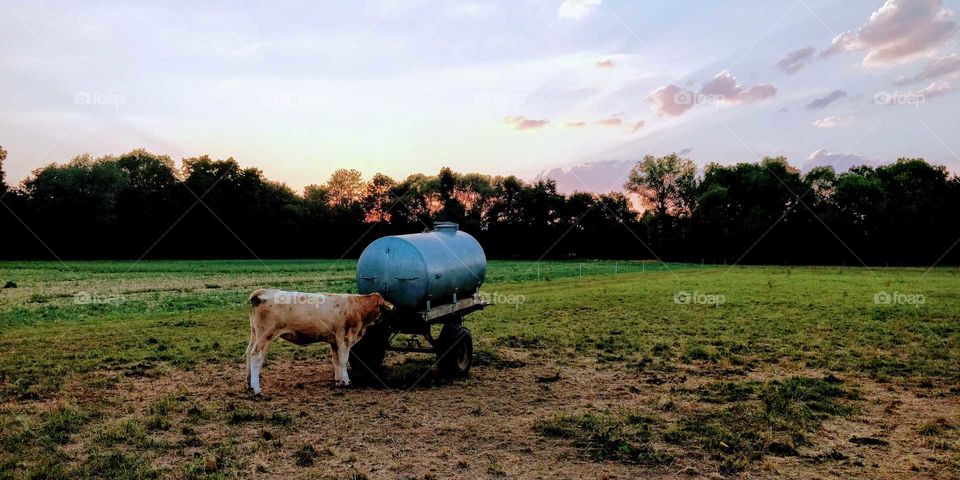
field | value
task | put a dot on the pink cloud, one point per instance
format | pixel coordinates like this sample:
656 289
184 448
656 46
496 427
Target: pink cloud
945 67
637 126
671 100
727 89
605 64
611 121
674 101
899 31
524 123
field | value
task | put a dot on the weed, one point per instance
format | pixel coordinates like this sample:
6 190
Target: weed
305 455
607 437
59 423
117 466
772 417
130 431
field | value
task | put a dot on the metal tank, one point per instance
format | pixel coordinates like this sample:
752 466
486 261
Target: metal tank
423 270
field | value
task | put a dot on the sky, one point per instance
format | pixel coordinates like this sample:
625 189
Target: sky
576 90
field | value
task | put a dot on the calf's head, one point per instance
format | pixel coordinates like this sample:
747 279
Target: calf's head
382 307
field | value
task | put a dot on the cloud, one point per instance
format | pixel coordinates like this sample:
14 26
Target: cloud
576 124
946 67
728 89
524 123
672 100
611 121
685 151
823 102
598 177
841 162
637 126
899 31
577 9
796 60
605 64
832 122
938 88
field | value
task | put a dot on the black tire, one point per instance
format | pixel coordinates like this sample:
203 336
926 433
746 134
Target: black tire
366 356
454 352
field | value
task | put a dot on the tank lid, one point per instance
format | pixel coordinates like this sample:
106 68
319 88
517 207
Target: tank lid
446 227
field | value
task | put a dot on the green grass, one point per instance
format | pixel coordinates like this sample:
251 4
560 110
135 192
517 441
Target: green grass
760 418
152 319
625 438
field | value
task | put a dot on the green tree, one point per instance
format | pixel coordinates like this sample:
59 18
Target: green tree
377 202
666 184
345 187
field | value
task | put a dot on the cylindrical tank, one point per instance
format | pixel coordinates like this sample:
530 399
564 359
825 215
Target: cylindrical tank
438 267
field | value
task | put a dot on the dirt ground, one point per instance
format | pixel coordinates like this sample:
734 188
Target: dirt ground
484 427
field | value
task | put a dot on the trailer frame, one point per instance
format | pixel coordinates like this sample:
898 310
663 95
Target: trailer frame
453 347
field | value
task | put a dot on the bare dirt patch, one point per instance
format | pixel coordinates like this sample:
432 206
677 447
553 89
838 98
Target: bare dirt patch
485 427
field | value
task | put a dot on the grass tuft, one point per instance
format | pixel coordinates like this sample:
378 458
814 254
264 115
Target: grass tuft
607 437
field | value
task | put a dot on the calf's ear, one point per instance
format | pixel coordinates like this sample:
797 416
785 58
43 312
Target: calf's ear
387 306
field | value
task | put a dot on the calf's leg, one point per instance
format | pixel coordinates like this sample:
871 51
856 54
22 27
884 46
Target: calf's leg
343 352
336 363
256 357
246 357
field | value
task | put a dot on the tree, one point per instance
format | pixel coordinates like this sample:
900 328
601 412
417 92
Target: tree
667 184
3 157
448 187
345 187
377 202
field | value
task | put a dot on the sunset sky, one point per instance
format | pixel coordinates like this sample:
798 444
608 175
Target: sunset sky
575 88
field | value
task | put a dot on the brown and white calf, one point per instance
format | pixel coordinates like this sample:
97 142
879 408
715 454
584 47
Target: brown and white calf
304 318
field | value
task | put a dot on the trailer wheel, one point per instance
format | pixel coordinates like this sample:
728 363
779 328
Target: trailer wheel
366 356
454 352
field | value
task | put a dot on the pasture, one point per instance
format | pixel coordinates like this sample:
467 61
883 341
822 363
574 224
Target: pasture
583 370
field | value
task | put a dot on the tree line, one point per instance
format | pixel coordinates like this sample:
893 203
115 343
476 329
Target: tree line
141 205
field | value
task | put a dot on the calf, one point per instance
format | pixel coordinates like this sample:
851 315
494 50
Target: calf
303 318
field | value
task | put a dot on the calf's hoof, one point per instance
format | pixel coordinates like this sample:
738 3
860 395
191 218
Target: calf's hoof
342 383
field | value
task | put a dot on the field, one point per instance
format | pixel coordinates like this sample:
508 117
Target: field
583 370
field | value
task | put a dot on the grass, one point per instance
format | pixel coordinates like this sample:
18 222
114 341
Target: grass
757 419
760 418
153 319
624 437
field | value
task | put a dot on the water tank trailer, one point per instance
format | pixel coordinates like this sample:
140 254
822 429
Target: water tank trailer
432 278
